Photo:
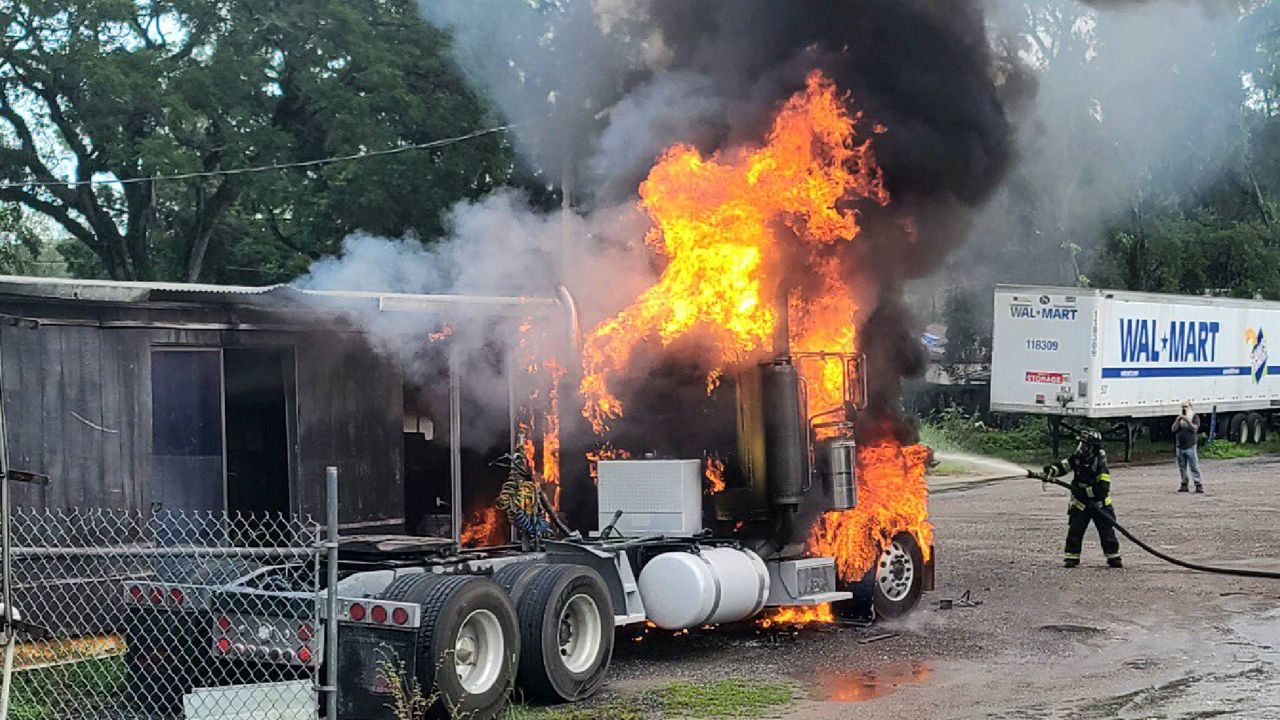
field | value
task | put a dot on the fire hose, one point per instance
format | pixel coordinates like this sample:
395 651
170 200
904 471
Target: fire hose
1101 517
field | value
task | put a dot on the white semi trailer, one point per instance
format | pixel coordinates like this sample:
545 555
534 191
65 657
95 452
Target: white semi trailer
1135 357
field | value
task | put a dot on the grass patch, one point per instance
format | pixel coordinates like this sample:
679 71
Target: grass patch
45 693
1225 449
1025 440
730 698
946 467
719 700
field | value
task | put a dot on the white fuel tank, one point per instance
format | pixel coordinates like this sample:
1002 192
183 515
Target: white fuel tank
715 585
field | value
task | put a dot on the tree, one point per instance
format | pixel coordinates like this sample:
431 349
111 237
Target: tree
127 90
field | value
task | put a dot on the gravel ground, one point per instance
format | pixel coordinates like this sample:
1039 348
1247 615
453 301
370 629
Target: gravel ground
1149 641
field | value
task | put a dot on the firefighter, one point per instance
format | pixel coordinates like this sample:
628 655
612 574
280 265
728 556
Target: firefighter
1090 489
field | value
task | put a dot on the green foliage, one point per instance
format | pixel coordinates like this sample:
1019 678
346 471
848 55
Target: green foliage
729 698
1225 449
1194 254
1221 449
1025 440
131 89
967 314
91 680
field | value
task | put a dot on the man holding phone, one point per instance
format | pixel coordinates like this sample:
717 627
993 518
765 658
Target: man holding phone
1186 433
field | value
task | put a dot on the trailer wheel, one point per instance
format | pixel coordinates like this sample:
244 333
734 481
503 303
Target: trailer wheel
898 577
1257 428
468 643
566 627
1238 428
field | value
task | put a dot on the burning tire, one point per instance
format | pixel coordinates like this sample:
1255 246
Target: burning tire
898 578
467 645
566 628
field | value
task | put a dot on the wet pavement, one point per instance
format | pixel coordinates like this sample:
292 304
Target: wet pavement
1148 641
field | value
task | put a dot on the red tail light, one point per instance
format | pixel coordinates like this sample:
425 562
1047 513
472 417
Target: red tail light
304 654
157 596
224 624
136 593
306 632
400 616
357 612
224 646
378 614
176 597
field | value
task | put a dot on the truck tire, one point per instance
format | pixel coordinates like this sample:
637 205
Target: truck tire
898 577
468 643
566 629
1238 428
514 578
1257 428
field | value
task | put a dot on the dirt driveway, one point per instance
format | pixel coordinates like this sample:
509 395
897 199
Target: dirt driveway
1148 641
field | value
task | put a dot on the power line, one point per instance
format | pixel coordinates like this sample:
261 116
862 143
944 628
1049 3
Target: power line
265 168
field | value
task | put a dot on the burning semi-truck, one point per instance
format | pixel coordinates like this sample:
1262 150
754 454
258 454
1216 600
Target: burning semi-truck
717 451
539 614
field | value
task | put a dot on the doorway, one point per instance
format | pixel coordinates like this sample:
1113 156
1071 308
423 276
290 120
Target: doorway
257 430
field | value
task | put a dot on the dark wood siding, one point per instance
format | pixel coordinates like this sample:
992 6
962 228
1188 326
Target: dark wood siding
77 401
350 414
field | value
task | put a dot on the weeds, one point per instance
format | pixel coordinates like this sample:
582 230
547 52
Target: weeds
407 700
729 698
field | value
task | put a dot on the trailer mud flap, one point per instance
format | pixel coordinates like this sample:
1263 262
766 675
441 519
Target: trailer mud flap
371 663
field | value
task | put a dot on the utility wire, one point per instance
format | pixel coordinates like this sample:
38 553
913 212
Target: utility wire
264 168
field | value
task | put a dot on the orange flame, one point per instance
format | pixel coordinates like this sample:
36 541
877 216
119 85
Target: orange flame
799 615
482 529
891 499
715 220
539 421
714 472
603 452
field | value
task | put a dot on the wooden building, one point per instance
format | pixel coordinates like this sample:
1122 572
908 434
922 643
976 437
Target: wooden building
138 396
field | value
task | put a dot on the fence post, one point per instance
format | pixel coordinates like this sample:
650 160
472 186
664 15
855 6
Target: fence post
331 594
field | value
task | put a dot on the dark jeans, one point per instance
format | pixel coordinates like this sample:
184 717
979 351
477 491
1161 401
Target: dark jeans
1078 522
1189 465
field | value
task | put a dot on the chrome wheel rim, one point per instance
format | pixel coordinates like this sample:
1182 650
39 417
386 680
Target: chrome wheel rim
578 633
895 572
478 652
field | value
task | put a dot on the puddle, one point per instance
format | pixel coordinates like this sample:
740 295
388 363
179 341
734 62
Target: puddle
1072 629
863 685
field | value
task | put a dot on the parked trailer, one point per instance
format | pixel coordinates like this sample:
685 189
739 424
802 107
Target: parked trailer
1135 357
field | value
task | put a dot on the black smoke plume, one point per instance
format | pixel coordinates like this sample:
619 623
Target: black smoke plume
604 85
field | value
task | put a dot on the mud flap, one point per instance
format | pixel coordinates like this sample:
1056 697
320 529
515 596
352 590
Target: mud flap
927 580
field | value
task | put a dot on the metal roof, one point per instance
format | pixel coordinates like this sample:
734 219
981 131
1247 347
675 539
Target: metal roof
266 296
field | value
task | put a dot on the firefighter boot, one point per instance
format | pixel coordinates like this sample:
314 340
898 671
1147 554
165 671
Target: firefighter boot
1071 562
1115 562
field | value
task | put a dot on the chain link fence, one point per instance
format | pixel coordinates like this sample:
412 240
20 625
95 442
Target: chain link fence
165 615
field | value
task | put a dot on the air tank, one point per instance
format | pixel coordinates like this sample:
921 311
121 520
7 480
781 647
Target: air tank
841 461
714 585
785 433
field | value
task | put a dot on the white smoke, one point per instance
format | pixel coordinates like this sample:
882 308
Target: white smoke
1137 103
